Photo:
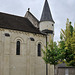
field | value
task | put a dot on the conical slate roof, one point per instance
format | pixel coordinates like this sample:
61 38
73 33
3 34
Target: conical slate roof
46 14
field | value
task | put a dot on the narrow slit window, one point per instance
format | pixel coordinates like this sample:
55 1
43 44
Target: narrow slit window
18 48
39 49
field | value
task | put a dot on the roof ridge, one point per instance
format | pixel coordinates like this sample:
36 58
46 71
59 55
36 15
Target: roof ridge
12 15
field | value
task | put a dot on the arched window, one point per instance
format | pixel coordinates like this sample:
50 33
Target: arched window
18 48
39 49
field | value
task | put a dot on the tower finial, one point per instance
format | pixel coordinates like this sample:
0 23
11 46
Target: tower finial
28 9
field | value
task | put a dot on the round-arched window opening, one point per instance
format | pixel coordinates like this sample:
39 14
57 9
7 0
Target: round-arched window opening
18 48
39 49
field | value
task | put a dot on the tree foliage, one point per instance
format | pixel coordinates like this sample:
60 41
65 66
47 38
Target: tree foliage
67 44
65 50
51 53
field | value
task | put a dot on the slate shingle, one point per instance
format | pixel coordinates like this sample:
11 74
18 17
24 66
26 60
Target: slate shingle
46 14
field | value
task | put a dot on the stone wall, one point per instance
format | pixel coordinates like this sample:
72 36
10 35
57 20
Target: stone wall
28 62
32 19
66 71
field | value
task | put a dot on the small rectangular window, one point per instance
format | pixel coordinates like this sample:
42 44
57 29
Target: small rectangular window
7 34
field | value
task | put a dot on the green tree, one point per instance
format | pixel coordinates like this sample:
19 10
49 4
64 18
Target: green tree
65 50
67 44
72 62
51 53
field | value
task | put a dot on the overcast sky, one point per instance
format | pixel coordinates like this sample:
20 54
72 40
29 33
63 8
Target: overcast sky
60 9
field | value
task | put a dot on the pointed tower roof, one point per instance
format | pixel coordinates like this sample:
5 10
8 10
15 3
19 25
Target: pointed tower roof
46 14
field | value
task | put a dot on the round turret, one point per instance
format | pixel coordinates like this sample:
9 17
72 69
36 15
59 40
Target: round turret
46 22
46 27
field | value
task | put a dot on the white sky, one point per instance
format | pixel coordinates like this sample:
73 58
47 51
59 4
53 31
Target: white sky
60 9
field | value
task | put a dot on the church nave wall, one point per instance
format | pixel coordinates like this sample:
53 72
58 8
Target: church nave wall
28 62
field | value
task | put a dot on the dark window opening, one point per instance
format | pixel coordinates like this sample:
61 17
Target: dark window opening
18 48
52 25
32 39
39 49
7 34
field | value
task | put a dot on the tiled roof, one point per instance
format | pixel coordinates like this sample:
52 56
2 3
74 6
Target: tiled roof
13 22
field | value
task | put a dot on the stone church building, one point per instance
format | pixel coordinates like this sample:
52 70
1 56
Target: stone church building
21 41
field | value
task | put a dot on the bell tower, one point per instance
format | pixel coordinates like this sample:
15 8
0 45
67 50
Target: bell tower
46 22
